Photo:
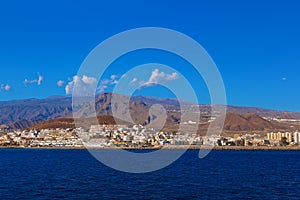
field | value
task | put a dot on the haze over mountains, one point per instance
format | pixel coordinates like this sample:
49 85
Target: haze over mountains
21 114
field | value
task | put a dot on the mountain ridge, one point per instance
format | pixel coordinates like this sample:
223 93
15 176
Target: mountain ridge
21 114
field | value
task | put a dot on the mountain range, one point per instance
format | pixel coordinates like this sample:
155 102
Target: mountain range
22 114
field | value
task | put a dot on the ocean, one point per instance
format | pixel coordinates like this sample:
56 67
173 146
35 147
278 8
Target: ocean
75 174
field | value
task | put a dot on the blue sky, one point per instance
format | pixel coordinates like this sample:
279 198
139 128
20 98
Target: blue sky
255 45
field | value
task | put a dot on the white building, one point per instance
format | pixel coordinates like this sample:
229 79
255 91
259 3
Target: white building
296 136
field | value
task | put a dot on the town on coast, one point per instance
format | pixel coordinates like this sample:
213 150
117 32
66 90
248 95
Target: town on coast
139 137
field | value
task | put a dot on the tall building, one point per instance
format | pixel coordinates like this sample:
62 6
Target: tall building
278 136
296 136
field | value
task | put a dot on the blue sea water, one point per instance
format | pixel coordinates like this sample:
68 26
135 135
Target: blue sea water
75 174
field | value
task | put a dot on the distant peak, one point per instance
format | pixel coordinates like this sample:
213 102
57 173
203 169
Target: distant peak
56 97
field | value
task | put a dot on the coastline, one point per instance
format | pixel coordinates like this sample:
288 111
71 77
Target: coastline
178 147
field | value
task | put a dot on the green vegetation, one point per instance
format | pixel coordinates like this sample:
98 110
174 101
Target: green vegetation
283 141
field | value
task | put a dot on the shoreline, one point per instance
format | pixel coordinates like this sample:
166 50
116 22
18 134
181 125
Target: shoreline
182 147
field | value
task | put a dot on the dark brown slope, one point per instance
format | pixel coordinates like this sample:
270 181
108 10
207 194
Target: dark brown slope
245 122
64 123
250 122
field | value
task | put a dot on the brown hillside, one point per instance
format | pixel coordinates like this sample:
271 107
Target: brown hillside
69 122
247 122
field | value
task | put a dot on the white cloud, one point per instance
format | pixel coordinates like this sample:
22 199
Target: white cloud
85 86
113 77
158 77
26 81
106 82
102 88
114 82
38 81
5 87
60 83
134 80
